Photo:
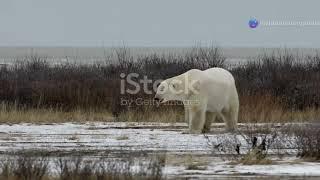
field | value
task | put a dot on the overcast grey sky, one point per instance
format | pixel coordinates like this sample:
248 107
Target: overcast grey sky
156 23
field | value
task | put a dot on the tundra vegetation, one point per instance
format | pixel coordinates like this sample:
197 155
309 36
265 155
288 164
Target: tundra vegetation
273 88
279 87
30 167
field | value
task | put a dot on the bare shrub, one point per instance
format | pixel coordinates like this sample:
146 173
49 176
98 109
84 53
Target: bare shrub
308 141
25 167
79 168
225 145
271 87
254 143
292 79
7 168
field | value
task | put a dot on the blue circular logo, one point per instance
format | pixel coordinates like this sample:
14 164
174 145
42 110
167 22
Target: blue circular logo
253 23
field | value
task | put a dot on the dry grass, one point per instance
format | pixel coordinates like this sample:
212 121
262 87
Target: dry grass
123 137
267 108
254 158
195 163
252 110
73 137
194 166
11 114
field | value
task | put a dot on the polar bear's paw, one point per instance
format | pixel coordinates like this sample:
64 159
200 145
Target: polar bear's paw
185 132
191 132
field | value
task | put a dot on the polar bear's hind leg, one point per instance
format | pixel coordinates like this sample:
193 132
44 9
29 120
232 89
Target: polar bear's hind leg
234 111
230 117
233 115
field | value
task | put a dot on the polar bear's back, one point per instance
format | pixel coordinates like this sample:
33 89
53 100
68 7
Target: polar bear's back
220 75
215 74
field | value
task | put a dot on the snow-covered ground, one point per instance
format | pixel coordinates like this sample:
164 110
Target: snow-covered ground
223 169
115 137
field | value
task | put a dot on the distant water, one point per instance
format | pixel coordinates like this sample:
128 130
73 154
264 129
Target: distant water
82 55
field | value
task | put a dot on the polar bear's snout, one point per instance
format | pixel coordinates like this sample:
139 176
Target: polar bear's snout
158 98
161 93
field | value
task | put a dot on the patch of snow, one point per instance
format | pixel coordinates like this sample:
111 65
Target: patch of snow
68 137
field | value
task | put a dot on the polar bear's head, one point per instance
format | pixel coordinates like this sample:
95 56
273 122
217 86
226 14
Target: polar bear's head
177 88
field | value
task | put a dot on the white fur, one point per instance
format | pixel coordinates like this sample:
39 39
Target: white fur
206 95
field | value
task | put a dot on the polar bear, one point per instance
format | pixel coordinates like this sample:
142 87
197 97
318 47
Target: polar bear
206 95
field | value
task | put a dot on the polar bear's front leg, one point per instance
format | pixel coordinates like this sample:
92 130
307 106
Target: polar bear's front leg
197 120
186 114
